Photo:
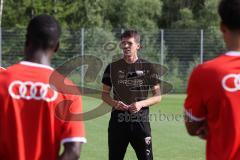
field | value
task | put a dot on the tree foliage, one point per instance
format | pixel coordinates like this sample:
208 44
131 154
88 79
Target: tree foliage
103 21
148 14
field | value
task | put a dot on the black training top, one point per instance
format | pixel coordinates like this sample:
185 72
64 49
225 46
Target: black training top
130 82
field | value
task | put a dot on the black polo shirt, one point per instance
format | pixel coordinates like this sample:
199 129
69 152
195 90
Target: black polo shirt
130 82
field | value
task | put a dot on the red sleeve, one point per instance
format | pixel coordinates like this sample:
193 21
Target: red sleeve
194 104
69 111
73 130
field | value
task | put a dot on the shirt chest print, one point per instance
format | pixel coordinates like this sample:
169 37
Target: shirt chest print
128 74
130 78
121 74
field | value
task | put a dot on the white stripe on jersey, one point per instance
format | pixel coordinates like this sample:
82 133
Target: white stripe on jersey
32 64
192 117
74 139
233 53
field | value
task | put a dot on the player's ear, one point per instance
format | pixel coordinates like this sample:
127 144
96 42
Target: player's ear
223 28
57 47
138 46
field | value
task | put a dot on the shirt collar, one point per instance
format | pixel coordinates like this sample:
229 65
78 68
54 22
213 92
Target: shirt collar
32 64
233 53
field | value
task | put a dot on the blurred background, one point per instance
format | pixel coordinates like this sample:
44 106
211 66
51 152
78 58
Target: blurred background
178 34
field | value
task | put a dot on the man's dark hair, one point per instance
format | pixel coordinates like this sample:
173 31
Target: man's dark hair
229 11
131 33
43 32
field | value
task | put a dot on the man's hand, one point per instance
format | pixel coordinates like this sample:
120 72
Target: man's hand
135 107
121 106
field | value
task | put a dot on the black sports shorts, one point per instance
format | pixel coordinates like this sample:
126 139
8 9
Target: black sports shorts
137 133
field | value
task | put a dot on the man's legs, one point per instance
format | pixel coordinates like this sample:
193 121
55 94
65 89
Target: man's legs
118 139
141 140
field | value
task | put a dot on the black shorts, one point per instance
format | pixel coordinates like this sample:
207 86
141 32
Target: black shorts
137 133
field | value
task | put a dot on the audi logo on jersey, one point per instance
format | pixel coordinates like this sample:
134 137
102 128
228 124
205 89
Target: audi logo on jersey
231 82
32 91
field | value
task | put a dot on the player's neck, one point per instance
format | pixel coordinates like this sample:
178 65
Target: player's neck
233 47
130 59
38 57
233 41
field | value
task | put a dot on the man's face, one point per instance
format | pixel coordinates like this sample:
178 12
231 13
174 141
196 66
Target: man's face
129 46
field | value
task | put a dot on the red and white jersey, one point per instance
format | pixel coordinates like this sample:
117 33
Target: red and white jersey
29 126
214 94
2 69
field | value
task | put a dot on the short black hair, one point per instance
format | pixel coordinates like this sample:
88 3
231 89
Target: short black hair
131 33
43 32
229 11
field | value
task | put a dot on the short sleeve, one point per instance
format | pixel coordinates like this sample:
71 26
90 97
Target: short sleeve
154 75
73 130
106 79
194 106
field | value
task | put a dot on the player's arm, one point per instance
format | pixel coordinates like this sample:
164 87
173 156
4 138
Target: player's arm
106 96
109 100
195 110
71 151
156 98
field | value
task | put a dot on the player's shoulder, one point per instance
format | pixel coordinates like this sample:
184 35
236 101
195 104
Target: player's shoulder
2 69
13 67
213 63
210 68
5 76
7 70
117 62
142 60
63 84
146 64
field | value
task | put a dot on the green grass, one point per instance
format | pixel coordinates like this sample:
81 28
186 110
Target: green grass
170 139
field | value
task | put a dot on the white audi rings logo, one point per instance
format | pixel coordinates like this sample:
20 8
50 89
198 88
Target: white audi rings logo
32 90
231 82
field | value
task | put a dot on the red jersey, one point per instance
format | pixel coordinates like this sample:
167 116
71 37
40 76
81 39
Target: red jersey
29 127
2 69
214 94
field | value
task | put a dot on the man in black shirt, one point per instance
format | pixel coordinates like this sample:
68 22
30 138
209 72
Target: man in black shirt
130 78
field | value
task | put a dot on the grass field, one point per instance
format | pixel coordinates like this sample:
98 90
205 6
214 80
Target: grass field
170 140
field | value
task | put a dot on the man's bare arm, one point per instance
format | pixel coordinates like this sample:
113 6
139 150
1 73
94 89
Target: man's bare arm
109 100
71 151
156 98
